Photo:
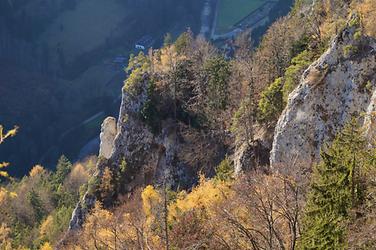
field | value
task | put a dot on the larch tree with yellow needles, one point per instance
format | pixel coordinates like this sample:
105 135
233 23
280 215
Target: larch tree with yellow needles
4 135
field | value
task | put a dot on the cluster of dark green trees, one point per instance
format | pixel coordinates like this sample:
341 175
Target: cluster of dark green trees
340 188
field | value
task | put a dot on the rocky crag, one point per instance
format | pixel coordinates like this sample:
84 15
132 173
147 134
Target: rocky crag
339 85
172 157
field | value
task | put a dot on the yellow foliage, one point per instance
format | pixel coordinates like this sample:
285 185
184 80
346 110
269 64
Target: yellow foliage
150 198
367 9
79 171
4 233
4 135
4 194
12 195
77 177
4 165
106 183
4 174
166 59
331 27
44 228
46 246
100 226
36 170
98 212
205 196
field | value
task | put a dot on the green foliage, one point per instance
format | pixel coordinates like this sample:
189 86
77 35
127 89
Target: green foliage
63 168
300 45
294 71
136 69
122 174
336 187
183 42
83 189
369 86
93 185
123 166
224 171
37 205
355 20
56 224
65 198
61 195
274 98
271 103
358 34
349 50
149 112
41 200
218 71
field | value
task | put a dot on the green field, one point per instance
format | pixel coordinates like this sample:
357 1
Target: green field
232 11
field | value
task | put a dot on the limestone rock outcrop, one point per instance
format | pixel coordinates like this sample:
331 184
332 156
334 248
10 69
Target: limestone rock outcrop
337 86
250 156
107 137
174 156
370 120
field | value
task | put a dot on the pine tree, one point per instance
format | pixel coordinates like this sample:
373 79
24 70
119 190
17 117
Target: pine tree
37 205
63 168
224 171
336 188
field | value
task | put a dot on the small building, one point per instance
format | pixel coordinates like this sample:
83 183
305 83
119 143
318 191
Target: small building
144 43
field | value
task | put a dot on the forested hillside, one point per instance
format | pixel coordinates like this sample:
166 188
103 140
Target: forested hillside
271 148
65 52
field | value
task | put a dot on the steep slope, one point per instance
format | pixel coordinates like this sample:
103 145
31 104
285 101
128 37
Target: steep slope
332 90
137 157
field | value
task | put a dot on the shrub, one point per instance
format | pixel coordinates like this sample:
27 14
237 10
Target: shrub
271 103
224 171
295 70
183 42
349 50
358 35
136 69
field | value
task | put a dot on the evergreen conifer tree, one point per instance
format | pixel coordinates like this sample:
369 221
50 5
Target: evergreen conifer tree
63 168
336 187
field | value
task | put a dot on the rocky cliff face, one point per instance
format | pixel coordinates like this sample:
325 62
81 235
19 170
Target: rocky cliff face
370 119
333 89
342 83
174 156
107 137
146 154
